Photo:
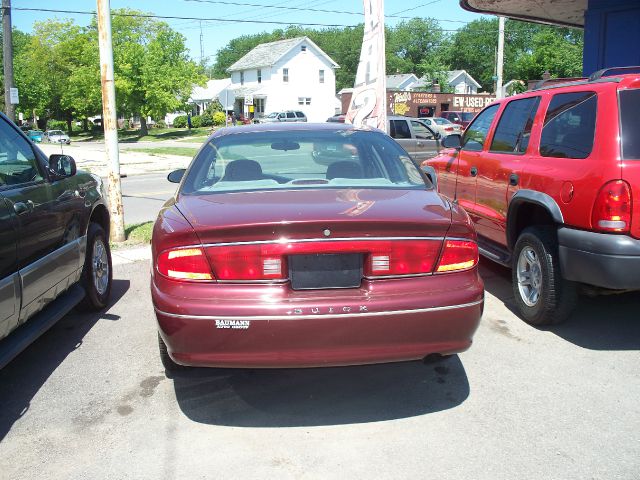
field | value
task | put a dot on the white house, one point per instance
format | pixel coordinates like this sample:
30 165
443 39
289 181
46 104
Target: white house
202 97
462 82
459 80
292 74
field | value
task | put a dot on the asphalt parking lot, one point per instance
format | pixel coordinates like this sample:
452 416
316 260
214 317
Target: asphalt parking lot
90 400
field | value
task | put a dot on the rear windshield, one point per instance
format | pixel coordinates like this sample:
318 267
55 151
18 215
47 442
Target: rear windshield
629 122
283 160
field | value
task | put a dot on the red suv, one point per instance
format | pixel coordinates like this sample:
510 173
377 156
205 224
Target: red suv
548 178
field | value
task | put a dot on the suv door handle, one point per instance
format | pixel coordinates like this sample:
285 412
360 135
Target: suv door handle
23 207
474 171
513 179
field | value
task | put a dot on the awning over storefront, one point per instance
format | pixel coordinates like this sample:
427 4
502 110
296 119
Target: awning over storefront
555 12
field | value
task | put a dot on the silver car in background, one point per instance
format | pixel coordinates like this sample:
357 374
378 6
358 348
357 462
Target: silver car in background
57 136
443 126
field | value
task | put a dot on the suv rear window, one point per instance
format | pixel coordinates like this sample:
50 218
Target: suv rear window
629 121
569 125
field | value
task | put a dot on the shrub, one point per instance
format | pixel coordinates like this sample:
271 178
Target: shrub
219 118
180 121
57 125
160 124
196 121
213 107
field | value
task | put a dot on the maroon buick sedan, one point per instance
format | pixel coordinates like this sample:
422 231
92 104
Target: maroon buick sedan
300 245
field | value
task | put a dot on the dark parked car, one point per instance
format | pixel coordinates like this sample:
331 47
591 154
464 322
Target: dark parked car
266 258
54 249
551 179
338 117
461 118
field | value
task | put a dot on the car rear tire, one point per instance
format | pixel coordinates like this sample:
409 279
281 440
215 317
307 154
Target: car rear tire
169 365
542 296
97 273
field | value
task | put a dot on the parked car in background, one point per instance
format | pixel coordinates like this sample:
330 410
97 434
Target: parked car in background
54 240
418 139
338 117
57 136
551 180
35 136
461 118
441 125
287 116
261 257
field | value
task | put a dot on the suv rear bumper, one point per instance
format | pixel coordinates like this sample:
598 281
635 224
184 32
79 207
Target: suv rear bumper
600 259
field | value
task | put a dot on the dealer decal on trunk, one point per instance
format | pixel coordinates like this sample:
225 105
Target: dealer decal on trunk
233 324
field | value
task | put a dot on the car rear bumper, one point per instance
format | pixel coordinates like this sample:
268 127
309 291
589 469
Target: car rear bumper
600 259
370 324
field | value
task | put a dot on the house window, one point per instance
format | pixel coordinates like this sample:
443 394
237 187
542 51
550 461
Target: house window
304 100
259 76
321 75
258 104
303 48
285 75
241 78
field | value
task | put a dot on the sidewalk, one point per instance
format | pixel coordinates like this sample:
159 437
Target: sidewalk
123 256
91 156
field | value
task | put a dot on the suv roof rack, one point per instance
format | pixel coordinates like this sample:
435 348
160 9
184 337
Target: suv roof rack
601 73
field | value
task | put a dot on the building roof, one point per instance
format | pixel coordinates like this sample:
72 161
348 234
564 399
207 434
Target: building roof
267 54
453 74
401 80
556 12
210 91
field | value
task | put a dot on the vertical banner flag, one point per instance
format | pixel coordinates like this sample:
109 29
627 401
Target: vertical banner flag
369 100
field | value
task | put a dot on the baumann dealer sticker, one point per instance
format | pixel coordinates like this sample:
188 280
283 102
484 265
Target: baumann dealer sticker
233 324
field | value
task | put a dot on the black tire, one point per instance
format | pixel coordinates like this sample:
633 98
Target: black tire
169 365
97 273
542 296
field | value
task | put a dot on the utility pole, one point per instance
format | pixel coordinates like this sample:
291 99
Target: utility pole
500 56
7 51
109 120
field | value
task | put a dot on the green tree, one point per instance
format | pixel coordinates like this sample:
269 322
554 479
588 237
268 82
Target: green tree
414 46
153 73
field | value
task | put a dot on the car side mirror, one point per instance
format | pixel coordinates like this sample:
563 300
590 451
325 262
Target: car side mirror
430 172
452 141
62 165
176 175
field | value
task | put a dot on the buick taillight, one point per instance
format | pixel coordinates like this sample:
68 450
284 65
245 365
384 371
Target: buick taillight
184 264
458 255
612 208
268 261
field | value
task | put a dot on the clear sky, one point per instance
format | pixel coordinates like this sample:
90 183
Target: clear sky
218 20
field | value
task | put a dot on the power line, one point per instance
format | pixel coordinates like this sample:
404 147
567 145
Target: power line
415 8
318 10
169 17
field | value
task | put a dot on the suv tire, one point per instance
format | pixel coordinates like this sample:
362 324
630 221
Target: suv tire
97 273
542 296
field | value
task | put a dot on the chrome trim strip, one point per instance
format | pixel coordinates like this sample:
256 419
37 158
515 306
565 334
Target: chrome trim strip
343 315
307 240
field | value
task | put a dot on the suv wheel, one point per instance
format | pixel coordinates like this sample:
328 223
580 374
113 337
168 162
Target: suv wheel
97 273
542 296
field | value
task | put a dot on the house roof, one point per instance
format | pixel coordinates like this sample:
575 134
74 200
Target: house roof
267 54
211 90
556 12
401 79
453 74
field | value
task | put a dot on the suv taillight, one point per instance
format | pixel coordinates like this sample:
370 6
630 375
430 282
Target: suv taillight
612 208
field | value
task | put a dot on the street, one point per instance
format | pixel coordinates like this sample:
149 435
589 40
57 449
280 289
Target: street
89 399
